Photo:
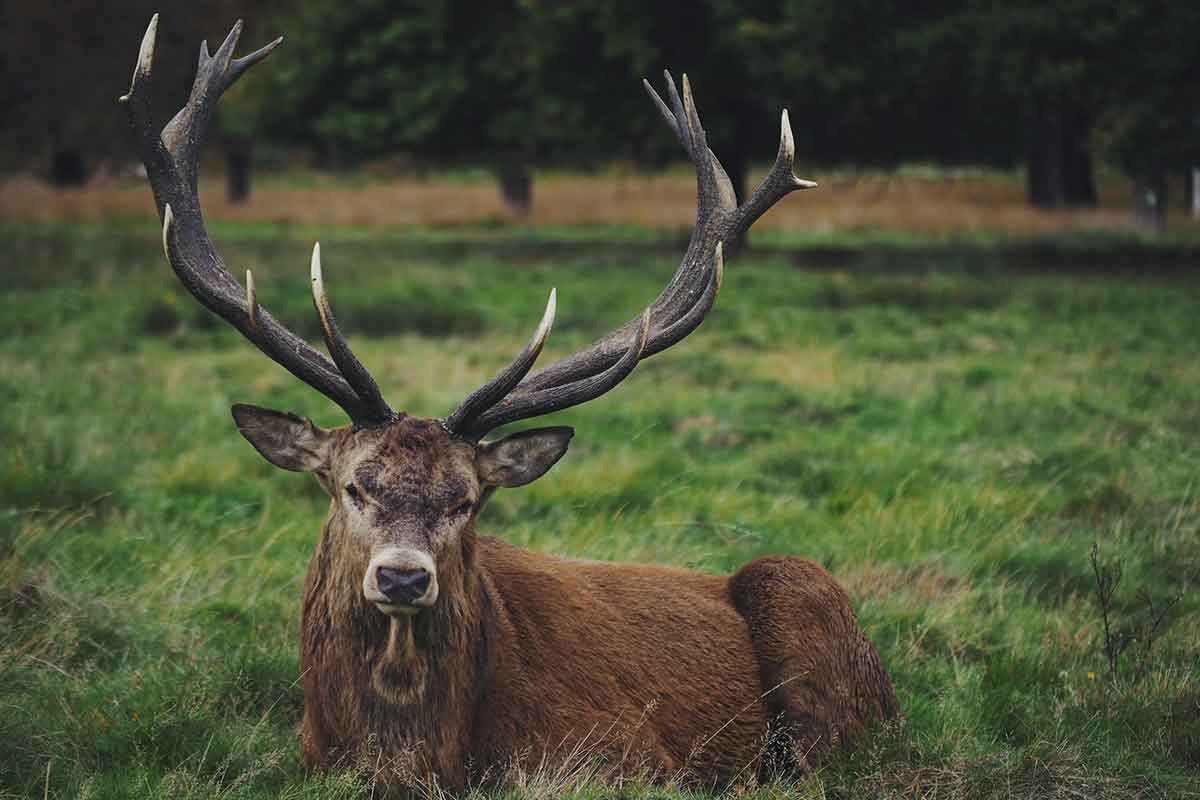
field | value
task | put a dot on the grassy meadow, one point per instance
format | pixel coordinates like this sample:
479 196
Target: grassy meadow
952 435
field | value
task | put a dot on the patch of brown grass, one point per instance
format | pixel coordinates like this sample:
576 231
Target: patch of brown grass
921 585
962 203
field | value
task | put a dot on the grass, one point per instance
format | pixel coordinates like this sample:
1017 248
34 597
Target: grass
950 441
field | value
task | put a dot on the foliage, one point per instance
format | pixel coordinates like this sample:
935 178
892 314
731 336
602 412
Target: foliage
948 440
525 82
1150 123
63 65
477 82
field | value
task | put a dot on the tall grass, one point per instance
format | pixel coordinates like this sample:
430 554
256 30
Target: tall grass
950 444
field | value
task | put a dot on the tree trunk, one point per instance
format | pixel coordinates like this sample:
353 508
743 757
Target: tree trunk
516 187
1150 202
67 168
1043 160
1079 186
239 160
1192 179
1059 159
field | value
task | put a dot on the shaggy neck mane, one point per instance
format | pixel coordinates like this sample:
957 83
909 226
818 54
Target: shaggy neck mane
414 680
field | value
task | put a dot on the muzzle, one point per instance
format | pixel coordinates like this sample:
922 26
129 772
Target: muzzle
400 581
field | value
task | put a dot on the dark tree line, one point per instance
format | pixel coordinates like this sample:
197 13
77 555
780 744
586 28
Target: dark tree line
511 84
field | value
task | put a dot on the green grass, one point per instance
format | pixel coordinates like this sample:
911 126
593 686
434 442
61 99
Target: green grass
949 441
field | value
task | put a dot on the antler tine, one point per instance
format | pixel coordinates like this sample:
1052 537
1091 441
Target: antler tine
347 363
171 159
251 299
778 183
464 417
523 406
154 153
687 288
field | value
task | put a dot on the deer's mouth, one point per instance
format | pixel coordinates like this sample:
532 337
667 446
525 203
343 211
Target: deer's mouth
398 612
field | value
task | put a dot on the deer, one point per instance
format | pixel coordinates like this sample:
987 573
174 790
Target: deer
428 644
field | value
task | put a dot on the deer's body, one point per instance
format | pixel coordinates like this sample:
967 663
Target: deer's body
430 653
652 669
564 654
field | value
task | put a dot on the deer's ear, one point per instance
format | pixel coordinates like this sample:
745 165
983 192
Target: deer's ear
285 440
521 458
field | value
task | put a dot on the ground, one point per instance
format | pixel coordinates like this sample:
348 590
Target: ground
949 429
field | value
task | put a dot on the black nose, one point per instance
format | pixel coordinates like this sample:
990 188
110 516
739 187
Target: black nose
402 587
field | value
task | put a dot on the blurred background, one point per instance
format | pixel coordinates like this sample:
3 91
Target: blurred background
946 115
962 375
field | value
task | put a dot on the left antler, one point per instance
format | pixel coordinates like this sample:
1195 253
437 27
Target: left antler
172 165
679 309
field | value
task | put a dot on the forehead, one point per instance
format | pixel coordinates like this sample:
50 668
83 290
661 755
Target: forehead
411 451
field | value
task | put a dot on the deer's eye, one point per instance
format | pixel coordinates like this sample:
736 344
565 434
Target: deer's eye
352 492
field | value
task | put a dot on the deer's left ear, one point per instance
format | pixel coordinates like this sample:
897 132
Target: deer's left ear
521 458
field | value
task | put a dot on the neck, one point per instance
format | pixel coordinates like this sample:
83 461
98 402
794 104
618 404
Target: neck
407 682
412 659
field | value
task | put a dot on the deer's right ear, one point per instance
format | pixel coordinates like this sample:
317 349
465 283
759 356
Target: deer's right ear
285 440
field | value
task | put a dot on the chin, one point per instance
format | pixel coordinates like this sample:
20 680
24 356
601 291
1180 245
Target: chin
397 612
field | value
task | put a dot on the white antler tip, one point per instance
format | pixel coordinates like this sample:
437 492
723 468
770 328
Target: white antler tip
318 293
803 184
146 54
543 328
315 270
787 142
168 220
145 58
251 299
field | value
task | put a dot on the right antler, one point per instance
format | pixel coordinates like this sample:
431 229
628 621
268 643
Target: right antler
677 311
172 161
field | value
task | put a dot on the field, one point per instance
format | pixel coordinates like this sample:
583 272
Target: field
964 439
922 199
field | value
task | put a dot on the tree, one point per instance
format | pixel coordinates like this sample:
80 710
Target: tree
454 81
1151 124
510 84
1047 63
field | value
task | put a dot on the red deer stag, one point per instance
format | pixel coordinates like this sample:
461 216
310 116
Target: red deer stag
424 642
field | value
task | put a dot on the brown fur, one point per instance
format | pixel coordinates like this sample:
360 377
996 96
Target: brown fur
526 659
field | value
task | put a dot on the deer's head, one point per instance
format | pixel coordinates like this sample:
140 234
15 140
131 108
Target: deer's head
405 489
404 495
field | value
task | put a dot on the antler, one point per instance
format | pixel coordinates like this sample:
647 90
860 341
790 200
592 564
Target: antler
172 161
678 310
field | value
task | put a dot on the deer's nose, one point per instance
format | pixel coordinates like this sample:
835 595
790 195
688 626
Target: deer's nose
402 587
